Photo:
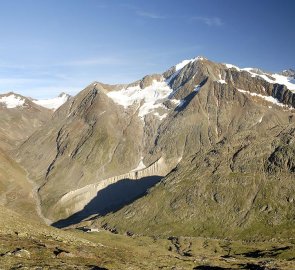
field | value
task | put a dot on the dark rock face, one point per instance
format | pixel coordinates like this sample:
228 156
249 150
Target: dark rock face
285 96
282 159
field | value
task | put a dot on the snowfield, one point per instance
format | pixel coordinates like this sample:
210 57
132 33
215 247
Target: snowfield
12 101
53 103
148 99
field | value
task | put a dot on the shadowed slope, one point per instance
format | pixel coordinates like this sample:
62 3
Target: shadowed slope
111 199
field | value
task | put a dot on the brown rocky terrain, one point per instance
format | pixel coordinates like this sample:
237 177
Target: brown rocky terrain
19 122
236 177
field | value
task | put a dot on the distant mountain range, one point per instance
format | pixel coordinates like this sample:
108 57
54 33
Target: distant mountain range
12 100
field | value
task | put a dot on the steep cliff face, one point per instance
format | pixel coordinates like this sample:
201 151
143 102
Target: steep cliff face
102 135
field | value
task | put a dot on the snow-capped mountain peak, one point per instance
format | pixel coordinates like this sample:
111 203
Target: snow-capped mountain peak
183 63
53 103
12 100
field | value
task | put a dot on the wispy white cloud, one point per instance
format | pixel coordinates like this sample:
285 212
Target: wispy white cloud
210 21
149 15
143 13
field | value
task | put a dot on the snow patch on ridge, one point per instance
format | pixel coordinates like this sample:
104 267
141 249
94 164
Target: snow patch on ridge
222 81
182 64
161 117
273 78
12 101
181 103
288 81
175 101
53 103
267 98
232 66
197 88
178 67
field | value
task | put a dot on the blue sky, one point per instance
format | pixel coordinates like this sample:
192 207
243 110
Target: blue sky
51 46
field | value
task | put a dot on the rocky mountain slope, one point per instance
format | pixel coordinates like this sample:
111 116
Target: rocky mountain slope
16 192
213 128
19 118
232 190
237 178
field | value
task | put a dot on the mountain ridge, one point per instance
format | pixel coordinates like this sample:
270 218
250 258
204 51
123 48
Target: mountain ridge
107 131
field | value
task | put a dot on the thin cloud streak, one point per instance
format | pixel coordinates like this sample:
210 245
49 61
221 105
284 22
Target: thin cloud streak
210 21
149 15
143 13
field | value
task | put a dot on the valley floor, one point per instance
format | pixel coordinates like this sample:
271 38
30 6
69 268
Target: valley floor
31 245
